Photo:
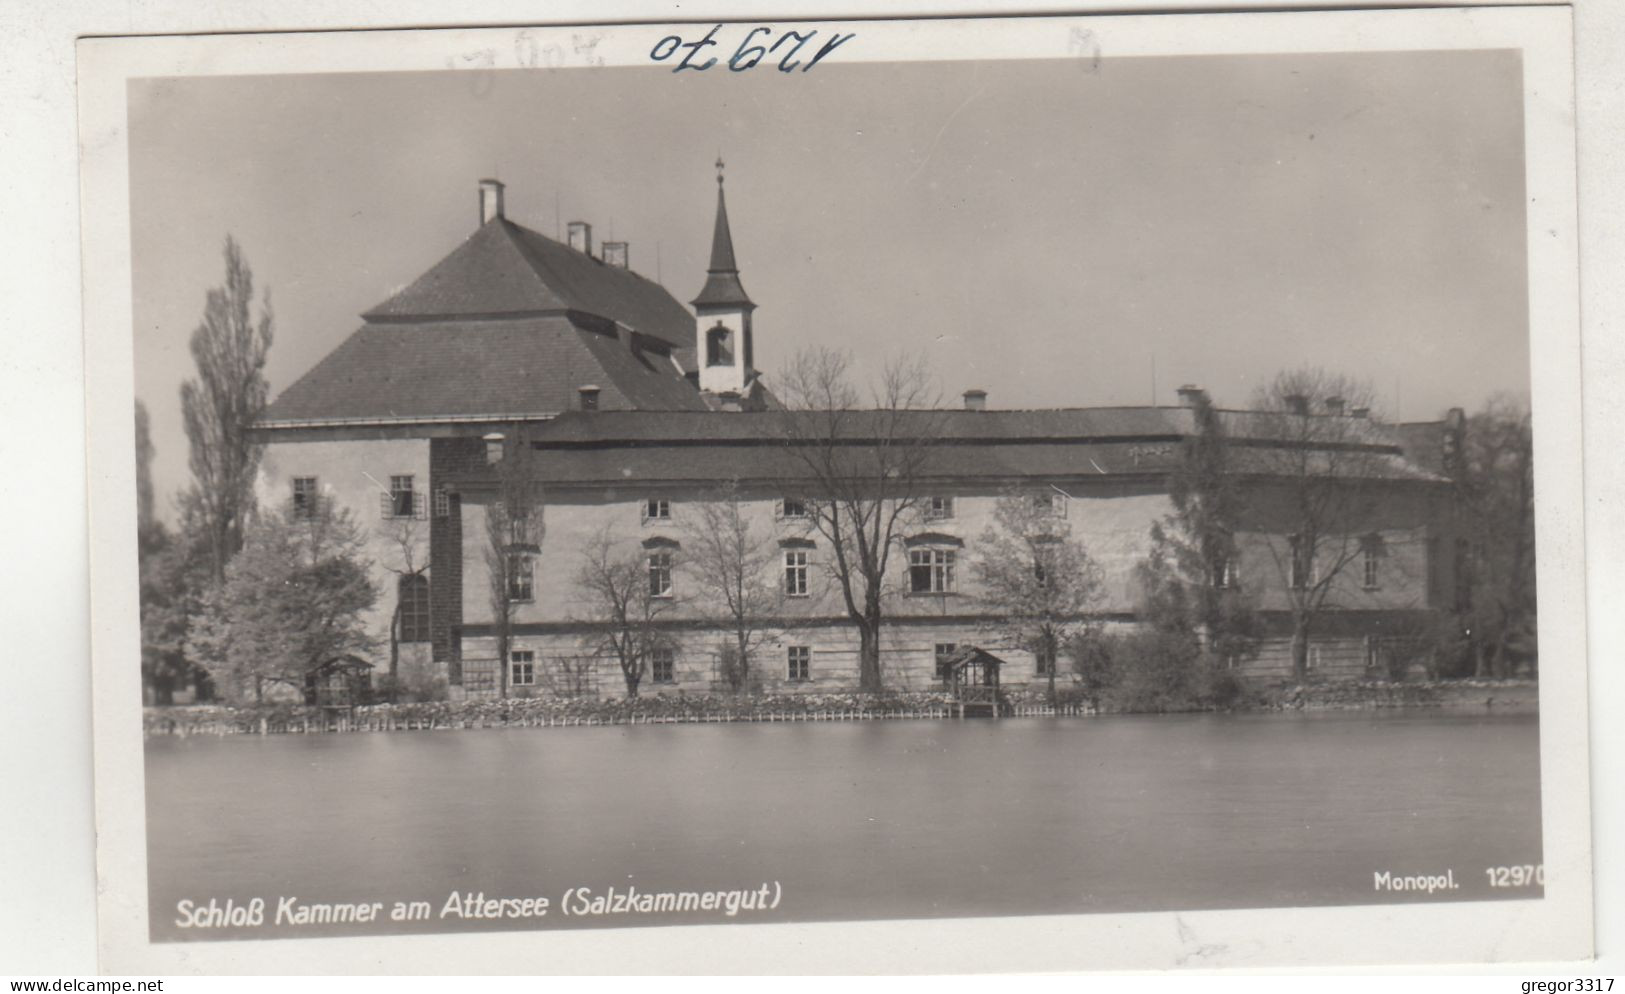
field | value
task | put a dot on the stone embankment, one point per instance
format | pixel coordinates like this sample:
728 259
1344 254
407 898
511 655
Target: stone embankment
1491 695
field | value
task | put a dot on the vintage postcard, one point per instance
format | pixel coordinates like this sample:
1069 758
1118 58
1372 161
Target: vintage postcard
930 495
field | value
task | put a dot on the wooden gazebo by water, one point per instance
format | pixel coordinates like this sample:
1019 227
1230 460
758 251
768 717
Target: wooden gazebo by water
973 675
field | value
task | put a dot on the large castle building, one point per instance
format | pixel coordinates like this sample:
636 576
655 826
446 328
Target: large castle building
635 410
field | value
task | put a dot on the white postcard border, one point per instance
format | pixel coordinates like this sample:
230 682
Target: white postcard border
1557 927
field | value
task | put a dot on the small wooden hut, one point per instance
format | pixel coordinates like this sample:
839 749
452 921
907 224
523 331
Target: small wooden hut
974 683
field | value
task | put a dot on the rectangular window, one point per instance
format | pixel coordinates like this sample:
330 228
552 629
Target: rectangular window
1314 657
795 573
442 503
522 671
656 509
662 666
1042 666
931 571
659 574
521 577
1049 503
800 661
792 507
401 497
1224 574
304 496
1370 557
945 652
939 508
1302 566
412 592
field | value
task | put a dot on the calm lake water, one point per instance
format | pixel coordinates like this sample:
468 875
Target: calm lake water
887 819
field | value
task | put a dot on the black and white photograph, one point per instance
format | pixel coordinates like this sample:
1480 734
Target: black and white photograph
750 474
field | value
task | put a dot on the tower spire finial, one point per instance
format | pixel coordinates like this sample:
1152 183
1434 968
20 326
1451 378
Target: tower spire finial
719 167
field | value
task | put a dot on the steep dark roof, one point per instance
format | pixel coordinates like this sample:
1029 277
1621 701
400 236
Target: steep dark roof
504 269
467 369
722 287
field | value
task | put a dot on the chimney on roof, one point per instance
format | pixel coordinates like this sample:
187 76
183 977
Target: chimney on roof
615 254
975 400
589 396
581 236
493 447
1297 403
1334 406
490 200
1360 412
1189 394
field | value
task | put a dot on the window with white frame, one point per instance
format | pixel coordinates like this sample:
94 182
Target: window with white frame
522 668
799 658
793 508
521 576
795 572
663 665
939 508
402 497
656 509
660 564
944 653
931 571
305 496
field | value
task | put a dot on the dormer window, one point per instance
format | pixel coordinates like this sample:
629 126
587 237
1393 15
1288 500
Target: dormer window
588 396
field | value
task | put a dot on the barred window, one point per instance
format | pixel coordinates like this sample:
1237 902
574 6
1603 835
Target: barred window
799 658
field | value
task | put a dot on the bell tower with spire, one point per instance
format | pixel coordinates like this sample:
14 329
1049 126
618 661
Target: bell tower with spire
726 349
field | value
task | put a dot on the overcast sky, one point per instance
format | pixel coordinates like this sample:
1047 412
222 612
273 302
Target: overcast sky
1041 233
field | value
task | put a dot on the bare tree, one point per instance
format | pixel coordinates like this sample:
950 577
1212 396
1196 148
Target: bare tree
858 473
1036 578
513 532
220 406
733 566
625 600
1321 465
